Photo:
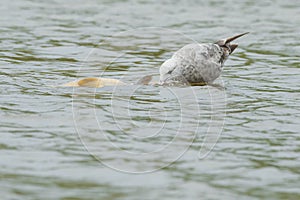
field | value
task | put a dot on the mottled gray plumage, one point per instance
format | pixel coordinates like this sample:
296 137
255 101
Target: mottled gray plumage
197 63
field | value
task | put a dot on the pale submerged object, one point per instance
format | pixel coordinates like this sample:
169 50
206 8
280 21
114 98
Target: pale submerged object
93 82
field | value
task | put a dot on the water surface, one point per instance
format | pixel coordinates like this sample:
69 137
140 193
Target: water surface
65 143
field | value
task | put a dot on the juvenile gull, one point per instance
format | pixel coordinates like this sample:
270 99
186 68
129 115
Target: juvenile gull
197 63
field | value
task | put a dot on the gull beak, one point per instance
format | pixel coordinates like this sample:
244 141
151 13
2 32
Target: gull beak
226 42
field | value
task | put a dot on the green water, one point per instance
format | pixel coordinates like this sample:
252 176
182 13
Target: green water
236 141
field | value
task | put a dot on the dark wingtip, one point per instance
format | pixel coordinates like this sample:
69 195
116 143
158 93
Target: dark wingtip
233 47
227 40
230 39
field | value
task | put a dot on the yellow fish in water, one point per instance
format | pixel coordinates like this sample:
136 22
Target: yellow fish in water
101 82
94 82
